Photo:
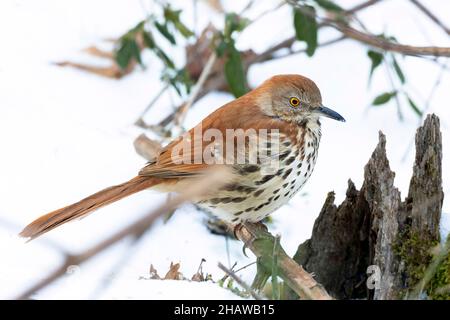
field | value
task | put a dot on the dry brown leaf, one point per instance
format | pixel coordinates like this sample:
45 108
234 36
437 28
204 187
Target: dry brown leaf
96 52
199 276
154 273
173 273
113 71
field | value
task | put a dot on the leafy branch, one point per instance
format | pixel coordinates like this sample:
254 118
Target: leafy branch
130 46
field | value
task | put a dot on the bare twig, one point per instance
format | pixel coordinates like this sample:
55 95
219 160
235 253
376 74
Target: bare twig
236 278
361 6
140 121
181 113
264 13
269 54
214 179
245 267
247 7
431 15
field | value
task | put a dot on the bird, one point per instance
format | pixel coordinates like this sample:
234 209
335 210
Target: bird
282 115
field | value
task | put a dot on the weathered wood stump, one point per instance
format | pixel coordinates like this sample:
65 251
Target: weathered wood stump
374 231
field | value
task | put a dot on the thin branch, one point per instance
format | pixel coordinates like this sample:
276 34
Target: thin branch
236 278
269 54
257 240
247 7
361 6
126 256
372 40
386 45
245 267
140 121
214 179
181 113
264 13
431 15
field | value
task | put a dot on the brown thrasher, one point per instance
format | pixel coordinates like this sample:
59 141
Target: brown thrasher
282 115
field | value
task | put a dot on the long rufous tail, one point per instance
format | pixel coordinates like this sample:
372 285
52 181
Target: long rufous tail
83 207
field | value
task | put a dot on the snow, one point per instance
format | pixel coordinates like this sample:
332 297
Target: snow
65 134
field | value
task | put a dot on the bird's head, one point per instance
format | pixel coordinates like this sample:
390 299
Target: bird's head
293 98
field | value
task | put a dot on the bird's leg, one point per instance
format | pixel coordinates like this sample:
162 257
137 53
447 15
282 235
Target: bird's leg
236 229
255 228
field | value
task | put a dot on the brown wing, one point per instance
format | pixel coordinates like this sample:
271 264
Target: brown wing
183 157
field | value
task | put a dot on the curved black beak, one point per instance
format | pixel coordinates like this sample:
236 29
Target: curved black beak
327 112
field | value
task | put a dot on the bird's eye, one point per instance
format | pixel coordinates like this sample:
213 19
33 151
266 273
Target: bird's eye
295 102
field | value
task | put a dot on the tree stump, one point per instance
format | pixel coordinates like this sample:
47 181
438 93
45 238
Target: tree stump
374 245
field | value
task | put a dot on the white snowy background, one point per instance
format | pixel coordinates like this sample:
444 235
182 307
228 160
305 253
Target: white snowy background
65 134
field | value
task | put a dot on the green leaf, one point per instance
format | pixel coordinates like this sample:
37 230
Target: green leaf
234 22
384 98
234 72
139 27
136 52
398 70
178 80
221 48
128 49
162 28
414 107
163 56
185 31
329 5
376 59
306 28
149 42
174 17
185 78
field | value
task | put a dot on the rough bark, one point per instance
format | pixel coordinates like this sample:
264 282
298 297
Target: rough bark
373 227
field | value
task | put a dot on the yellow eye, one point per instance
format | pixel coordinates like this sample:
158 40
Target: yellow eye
295 102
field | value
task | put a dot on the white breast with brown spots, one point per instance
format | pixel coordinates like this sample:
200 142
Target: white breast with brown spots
257 192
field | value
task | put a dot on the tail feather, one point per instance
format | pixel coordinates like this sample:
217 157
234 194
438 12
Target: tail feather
83 207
